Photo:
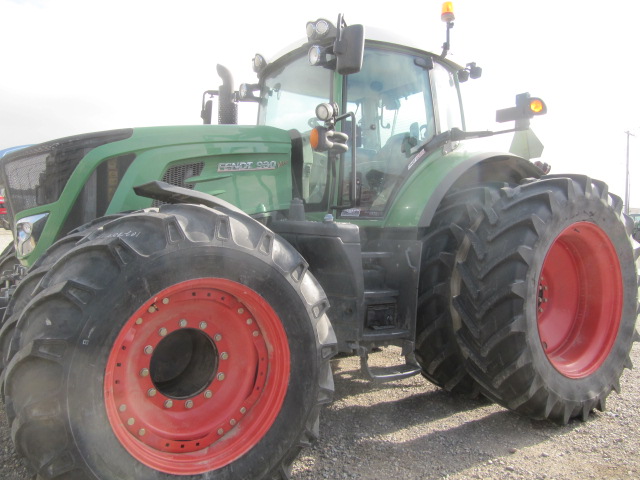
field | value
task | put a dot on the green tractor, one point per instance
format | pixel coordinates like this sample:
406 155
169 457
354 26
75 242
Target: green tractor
181 290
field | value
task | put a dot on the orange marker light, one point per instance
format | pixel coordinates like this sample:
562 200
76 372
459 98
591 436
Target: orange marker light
314 138
447 12
536 105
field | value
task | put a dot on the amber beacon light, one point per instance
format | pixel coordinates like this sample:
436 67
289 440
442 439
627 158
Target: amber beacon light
447 12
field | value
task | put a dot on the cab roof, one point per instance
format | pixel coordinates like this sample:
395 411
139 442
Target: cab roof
373 35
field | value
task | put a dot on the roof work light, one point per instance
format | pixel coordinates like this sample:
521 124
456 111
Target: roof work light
321 28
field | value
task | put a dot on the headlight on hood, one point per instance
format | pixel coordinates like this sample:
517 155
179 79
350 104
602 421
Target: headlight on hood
28 231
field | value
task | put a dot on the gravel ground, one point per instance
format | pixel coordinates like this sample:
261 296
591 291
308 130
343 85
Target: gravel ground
410 429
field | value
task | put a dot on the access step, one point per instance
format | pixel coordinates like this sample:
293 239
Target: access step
387 374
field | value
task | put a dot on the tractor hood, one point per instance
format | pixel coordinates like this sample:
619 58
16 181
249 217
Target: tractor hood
248 166
68 182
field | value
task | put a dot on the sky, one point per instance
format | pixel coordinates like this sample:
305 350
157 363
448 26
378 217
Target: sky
76 66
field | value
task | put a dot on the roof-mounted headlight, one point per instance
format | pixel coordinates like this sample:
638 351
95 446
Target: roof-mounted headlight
259 63
246 92
320 29
318 55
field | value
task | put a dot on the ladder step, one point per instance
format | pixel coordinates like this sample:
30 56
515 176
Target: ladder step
383 293
384 334
386 374
376 255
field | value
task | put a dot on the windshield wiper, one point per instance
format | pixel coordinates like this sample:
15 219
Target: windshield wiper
454 135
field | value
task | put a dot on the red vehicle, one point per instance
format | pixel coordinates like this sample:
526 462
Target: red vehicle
3 211
4 223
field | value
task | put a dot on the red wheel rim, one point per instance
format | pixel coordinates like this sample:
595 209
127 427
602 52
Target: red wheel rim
197 376
580 297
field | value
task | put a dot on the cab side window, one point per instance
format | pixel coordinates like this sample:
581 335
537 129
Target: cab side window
391 98
446 99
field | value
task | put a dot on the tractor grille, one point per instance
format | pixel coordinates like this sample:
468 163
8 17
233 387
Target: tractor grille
177 175
37 175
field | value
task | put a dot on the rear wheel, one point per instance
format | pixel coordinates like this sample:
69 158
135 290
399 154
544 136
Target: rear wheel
437 349
546 298
180 343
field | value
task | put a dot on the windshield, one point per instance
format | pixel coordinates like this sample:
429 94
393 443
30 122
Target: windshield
289 96
288 100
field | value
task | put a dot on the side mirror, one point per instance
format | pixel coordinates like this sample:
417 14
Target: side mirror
207 112
349 49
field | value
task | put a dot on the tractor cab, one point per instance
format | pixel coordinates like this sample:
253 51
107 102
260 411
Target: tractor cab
398 99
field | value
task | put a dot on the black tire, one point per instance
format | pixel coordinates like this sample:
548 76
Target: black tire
437 348
546 298
144 273
8 262
26 288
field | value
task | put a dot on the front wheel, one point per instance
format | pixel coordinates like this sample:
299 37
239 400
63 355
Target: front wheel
183 342
546 298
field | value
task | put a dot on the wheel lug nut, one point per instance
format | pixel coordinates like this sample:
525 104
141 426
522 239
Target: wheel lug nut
243 410
148 349
221 376
188 404
162 332
218 337
139 321
168 403
182 323
131 421
232 422
249 321
203 325
144 372
152 392
123 407
241 310
256 333
152 309
224 355
141 432
220 431
165 300
208 394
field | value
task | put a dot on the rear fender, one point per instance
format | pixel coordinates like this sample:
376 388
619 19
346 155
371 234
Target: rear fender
480 168
418 201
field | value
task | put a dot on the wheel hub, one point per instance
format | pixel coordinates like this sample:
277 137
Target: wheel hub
579 302
200 360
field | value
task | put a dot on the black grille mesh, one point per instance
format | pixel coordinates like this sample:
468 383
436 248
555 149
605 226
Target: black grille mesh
177 175
37 175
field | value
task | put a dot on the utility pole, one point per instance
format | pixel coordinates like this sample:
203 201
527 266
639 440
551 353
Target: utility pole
627 182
